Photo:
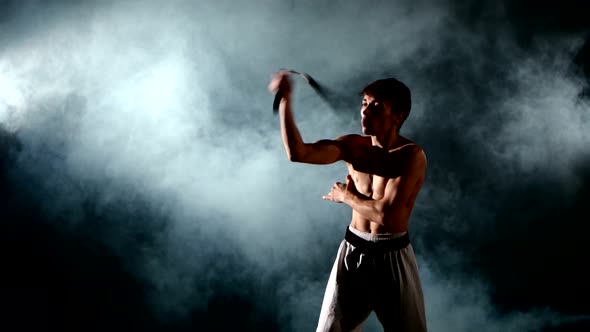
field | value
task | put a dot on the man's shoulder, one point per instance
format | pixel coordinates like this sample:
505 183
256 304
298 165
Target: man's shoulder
354 142
408 145
354 139
411 151
353 146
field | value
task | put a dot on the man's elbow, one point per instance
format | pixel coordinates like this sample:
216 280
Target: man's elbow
379 214
379 218
293 157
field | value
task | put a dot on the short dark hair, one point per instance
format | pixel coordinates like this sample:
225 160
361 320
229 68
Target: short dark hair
393 91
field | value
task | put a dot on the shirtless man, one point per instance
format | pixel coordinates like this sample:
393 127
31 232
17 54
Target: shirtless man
375 268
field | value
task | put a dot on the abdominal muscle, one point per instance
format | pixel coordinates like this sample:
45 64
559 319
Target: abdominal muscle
396 218
391 226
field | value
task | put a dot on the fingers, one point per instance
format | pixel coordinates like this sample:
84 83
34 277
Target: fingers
341 186
285 72
330 196
280 81
348 179
273 86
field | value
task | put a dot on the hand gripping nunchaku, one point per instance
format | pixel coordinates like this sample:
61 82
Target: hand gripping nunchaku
318 89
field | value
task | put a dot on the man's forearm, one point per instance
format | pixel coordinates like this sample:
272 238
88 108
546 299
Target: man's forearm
292 140
365 206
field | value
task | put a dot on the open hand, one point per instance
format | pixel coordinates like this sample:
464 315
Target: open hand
340 190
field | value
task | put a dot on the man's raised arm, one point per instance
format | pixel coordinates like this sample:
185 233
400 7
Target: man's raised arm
320 152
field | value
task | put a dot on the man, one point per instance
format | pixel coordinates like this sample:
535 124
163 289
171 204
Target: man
375 269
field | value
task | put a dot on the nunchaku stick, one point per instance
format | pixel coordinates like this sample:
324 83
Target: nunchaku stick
307 78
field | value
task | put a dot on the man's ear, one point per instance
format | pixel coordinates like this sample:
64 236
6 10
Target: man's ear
398 116
391 108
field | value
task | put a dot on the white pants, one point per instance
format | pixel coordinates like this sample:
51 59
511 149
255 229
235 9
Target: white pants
386 282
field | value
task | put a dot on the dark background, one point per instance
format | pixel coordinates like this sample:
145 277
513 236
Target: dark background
501 225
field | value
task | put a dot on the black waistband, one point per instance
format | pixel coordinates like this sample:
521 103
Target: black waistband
382 246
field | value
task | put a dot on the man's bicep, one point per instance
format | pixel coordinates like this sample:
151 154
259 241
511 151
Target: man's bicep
325 151
321 152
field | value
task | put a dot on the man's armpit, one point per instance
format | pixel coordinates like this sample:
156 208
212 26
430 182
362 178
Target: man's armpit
349 146
386 165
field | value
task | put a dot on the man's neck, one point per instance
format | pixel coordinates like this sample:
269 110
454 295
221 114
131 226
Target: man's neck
386 141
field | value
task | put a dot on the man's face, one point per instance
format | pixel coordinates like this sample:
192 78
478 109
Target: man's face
376 116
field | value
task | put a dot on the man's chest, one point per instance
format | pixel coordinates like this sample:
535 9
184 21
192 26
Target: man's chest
368 184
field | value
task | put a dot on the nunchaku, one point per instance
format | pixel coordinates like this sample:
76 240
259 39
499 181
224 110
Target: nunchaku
318 89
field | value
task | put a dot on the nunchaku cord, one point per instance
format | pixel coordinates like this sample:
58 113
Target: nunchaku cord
308 79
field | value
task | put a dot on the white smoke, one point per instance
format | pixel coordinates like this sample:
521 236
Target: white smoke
145 94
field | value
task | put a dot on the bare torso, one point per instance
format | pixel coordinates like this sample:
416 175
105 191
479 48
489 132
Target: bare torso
383 182
373 186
